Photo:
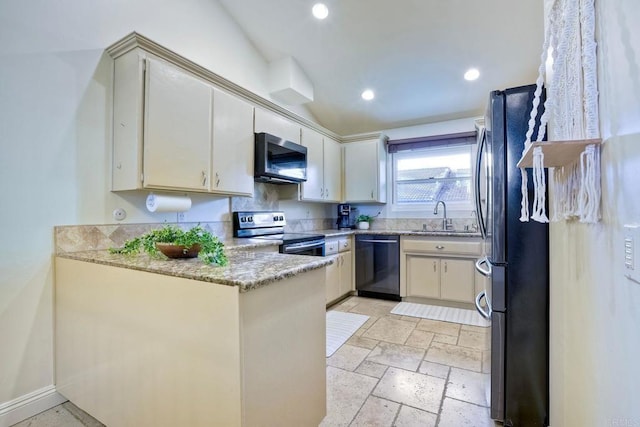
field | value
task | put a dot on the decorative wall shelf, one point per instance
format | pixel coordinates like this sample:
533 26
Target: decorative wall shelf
557 153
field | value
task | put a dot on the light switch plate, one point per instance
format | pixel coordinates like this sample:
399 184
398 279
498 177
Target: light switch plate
631 248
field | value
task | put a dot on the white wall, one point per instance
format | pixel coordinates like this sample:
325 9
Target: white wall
55 119
595 310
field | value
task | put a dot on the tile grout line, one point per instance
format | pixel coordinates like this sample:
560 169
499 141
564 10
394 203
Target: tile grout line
444 394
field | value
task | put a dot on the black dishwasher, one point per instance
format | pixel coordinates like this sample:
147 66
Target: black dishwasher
378 266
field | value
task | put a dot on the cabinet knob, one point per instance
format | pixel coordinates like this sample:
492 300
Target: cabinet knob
434 266
217 180
439 247
445 267
204 179
371 194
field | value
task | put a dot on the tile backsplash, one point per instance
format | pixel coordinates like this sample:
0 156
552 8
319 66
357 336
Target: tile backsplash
72 238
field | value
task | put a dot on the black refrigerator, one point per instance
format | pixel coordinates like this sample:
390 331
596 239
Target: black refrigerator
517 263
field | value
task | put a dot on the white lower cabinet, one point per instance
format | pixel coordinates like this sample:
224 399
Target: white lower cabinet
346 273
457 280
440 269
332 279
199 353
339 275
423 276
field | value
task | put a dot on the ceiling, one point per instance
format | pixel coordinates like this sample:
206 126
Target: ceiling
412 53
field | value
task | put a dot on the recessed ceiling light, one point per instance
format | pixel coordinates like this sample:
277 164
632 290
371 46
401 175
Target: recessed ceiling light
368 95
472 74
320 11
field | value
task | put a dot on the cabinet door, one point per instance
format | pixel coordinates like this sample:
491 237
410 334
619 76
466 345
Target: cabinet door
346 273
177 130
269 122
423 276
332 278
360 171
313 188
457 280
233 142
332 170
128 105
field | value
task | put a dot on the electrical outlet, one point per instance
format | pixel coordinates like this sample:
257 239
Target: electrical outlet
119 214
631 247
181 217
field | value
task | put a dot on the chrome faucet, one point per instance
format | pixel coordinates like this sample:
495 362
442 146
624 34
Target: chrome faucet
446 223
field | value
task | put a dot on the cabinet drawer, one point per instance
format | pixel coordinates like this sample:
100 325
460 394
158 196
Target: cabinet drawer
344 244
442 246
331 246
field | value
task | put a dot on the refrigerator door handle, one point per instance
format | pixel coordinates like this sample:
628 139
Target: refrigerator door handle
486 272
486 314
480 216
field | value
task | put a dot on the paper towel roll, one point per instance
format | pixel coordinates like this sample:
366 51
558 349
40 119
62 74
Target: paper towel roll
158 203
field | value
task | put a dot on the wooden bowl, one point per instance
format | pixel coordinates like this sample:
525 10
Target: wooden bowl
178 251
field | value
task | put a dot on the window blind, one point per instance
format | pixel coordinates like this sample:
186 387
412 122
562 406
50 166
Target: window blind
396 145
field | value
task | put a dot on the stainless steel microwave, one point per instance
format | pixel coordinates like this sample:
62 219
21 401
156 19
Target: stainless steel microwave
279 161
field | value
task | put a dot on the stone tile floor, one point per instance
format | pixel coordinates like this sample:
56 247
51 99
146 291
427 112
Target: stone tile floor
406 371
394 371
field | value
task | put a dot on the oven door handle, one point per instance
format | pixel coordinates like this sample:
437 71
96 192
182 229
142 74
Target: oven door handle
297 247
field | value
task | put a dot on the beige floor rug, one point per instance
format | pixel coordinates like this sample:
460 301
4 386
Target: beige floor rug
445 314
340 327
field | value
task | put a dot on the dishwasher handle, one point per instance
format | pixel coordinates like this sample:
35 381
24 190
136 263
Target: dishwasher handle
379 241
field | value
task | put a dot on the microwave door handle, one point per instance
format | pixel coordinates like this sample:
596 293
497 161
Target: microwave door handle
480 216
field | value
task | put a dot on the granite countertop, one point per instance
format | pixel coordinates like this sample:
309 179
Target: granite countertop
246 269
243 244
337 233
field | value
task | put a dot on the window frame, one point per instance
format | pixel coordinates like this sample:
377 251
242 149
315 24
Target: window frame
453 208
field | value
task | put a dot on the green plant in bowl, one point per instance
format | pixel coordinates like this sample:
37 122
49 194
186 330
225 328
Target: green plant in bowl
364 218
177 243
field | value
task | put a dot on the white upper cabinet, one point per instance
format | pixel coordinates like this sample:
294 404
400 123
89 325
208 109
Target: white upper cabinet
332 170
177 129
365 171
313 187
233 143
323 168
270 122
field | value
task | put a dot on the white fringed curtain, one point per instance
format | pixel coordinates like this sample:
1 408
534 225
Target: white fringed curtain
572 104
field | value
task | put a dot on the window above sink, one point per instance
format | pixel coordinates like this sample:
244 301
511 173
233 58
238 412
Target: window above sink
422 176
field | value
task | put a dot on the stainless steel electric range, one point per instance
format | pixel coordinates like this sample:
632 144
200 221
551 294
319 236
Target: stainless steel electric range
269 225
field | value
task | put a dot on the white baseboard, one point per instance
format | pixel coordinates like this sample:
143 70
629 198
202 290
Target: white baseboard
26 406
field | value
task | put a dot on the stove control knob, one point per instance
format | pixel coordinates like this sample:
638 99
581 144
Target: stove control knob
281 218
250 219
243 219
